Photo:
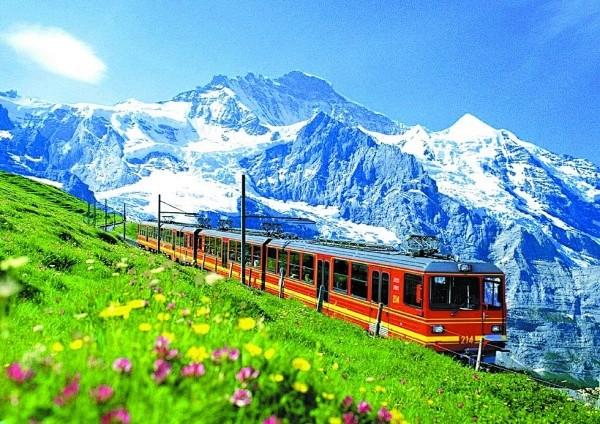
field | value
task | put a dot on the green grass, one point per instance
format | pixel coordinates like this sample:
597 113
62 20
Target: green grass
54 326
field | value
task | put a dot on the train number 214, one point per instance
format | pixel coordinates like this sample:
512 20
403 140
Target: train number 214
466 339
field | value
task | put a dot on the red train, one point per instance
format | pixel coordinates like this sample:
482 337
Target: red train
451 306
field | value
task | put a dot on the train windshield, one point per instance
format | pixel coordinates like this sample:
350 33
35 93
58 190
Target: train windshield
454 293
491 292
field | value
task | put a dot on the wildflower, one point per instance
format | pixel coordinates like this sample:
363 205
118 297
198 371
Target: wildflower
9 263
122 365
241 397
205 300
350 418
380 389
137 303
76 344
334 420
89 261
476 376
327 396
80 316
102 393
272 420
163 316
193 370
301 364
363 407
201 328
68 392
38 328
269 353
440 391
161 348
15 373
347 403
246 374
171 306
197 354
184 312
246 324
384 415
162 369
157 270
397 416
300 387
202 311
116 311
117 416
160 298
253 349
460 404
335 366
144 327
57 347
430 401
219 355
276 378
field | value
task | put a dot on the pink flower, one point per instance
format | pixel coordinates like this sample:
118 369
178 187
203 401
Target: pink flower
15 373
193 370
272 420
118 416
246 373
347 402
171 306
161 348
101 393
241 398
68 392
219 355
162 369
350 418
122 365
384 416
363 407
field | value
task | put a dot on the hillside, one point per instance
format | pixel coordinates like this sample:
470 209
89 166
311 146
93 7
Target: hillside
204 349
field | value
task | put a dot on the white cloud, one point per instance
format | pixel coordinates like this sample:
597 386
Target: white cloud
57 51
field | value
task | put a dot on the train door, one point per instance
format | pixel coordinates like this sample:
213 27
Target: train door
380 297
323 270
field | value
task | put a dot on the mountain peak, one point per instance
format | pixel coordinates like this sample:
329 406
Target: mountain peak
469 127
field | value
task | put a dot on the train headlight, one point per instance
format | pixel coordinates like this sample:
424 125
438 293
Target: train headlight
496 328
465 267
437 329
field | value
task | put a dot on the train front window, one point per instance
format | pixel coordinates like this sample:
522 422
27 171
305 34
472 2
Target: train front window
491 292
454 293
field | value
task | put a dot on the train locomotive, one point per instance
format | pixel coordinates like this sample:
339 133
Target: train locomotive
418 295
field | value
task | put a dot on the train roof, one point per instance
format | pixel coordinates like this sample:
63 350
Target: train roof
388 258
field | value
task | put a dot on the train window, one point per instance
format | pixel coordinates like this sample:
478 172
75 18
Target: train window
231 250
454 293
294 265
413 289
491 292
340 276
308 268
358 280
282 262
272 259
380 291
256 256
238 251
218 247
247 253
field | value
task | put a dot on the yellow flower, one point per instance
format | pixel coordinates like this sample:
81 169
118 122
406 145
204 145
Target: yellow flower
205 300
277 378
144 327
163 316
246 323
136 304
169 336
57 347
197 354
397 417
116 311
335 366
202 311
76 344
328 396
253 349
335 420
430 401
300 387
301 364
380 389
269 353
362 390
160 298
201 328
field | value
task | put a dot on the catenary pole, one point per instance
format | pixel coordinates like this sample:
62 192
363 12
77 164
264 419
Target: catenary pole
158 235
243 218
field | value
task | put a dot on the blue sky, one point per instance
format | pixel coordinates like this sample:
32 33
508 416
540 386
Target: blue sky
532 67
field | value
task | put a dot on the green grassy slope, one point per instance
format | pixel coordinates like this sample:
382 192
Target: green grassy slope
87 299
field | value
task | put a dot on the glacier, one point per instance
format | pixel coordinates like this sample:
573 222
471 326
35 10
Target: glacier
309 152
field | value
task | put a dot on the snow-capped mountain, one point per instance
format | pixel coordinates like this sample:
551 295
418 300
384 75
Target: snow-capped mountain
308 151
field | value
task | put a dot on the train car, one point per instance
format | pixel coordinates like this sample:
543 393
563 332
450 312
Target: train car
448 305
